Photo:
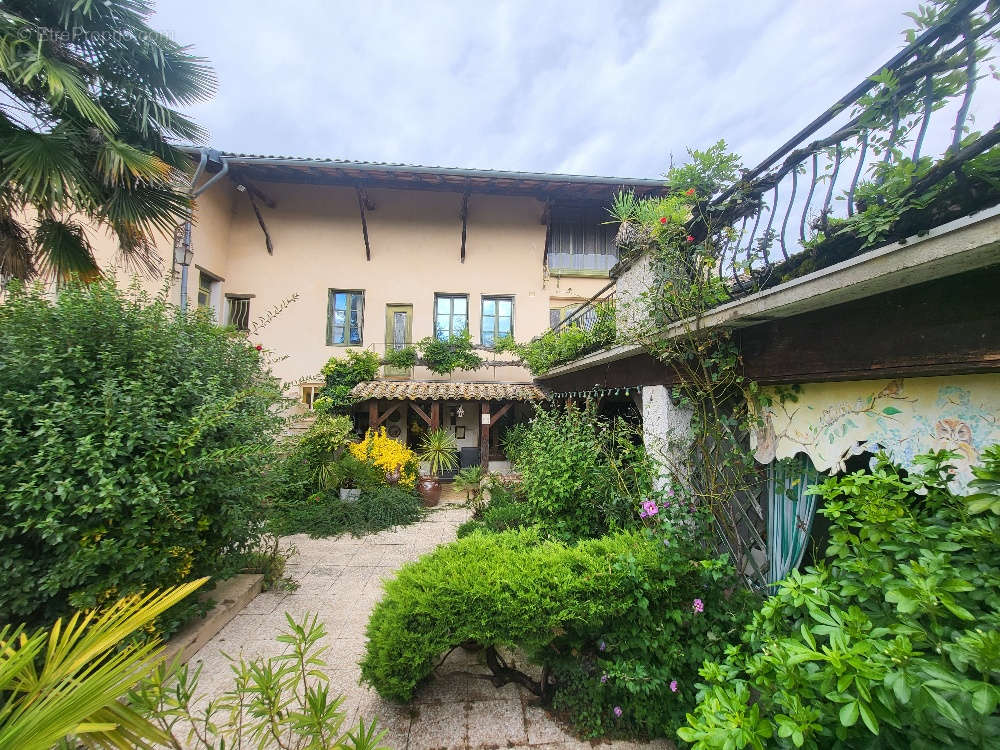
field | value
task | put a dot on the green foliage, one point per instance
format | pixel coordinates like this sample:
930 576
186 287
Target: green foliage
571 342
132 442
269 559
581 476
467 480
324 514
403 358
620 607
706 172
280 701
504 511
88 132
342 374
307 461
62 684
446 356
891 642
440 450
988 481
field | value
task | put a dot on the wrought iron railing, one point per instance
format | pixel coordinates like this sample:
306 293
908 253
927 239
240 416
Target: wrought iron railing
916 112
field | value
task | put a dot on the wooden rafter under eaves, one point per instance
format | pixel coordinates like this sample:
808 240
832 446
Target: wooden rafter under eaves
364 205
464 214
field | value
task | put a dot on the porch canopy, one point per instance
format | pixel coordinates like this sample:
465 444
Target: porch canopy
387 397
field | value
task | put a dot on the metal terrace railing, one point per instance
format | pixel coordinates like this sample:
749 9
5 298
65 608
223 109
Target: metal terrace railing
896 135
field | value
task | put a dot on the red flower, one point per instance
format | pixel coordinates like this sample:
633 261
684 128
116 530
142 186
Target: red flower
258 347
690 238
689 191
663 219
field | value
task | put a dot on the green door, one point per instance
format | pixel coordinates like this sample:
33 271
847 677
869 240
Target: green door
398 334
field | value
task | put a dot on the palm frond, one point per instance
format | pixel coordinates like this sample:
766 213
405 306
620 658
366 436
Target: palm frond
85 669
63 249
16 258
43 167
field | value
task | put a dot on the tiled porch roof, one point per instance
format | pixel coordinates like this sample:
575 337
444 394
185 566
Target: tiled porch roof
424 390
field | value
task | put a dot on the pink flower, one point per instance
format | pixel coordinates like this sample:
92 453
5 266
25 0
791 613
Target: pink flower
663 219
604 678
673 686
690 238
618 710
698 605
650 508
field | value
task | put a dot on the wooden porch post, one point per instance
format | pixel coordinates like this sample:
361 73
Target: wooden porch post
435 414
372 414
484 436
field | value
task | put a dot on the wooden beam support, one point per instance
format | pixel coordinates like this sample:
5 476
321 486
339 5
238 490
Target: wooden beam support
421 413
435 414
464 214
484 436
500 412
362 205
372 414
385 415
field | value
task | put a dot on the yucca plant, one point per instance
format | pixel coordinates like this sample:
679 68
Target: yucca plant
86 129
439 449
62 684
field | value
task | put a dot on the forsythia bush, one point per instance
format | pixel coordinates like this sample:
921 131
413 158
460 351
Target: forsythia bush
892 642
388 454
132 442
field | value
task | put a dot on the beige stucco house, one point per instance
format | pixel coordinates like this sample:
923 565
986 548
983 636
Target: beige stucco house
380 255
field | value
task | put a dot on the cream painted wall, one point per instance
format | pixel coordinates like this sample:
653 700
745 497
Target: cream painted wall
415 237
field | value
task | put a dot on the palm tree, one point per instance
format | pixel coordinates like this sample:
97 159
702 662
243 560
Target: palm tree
88 98
65 681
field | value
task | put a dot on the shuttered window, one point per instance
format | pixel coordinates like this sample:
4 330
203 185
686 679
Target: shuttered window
582 241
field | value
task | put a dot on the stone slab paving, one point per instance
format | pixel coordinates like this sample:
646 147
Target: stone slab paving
340 579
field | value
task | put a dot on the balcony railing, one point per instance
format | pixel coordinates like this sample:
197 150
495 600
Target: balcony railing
895 136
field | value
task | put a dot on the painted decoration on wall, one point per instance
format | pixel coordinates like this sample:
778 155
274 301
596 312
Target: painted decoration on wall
830 422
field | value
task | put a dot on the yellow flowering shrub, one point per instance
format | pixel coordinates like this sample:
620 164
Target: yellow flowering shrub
378 449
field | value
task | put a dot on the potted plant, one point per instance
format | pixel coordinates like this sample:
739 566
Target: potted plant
350 475
468 480
440 451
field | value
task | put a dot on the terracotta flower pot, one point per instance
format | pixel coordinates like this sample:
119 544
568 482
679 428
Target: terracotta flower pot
430 490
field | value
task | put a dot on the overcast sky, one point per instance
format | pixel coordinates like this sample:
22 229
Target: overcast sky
588 86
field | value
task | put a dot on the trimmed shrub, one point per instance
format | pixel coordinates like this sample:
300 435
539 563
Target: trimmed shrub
621 606
299 473
892 641
132 442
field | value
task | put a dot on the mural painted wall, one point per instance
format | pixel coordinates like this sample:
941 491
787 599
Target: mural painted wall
831 422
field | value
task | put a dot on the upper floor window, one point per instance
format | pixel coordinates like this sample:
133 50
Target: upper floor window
451 315
581 241
239 311
208 292
497 319
345 317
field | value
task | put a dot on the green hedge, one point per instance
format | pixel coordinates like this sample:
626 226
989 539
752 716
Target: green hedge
132 443
618 607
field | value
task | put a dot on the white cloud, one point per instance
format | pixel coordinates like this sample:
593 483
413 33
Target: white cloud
588 86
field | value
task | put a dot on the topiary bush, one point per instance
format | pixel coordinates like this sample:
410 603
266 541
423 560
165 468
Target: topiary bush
892 641
132 442
611 621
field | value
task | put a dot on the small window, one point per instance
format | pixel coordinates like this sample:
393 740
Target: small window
451 315
208 293
345 317
239 312
309 393
497 319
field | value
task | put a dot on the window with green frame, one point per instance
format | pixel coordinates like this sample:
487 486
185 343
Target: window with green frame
345 317
497 319
451 315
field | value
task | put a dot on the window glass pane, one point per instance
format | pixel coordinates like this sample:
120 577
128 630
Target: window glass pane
356 302
459 305
355 334
441 327
339 317
503 327
488 325
489 307
338 334
504 307
458 324
443 305
340 301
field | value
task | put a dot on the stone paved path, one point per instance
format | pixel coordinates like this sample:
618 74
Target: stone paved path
340 579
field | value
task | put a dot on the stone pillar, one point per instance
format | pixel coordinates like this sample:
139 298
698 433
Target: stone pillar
666 433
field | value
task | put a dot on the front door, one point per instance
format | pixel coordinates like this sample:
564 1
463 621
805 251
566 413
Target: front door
398 334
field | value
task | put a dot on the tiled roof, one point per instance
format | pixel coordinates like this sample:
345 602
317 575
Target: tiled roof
423 390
